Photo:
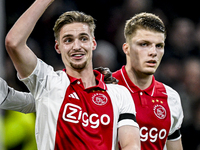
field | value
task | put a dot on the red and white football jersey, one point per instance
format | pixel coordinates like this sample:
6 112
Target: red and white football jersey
159 111
68 116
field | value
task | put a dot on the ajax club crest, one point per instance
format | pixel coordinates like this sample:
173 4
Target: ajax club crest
99 99
160 111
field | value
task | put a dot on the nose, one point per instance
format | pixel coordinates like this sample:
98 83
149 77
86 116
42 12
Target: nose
153 51
76 45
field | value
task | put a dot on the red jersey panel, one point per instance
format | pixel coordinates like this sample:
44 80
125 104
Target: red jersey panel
85 119
153 112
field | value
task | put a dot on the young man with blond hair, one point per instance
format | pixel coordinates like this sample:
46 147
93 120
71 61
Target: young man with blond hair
158 106
75 109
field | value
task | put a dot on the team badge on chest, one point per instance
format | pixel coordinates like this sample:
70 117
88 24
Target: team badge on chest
99 99
160 111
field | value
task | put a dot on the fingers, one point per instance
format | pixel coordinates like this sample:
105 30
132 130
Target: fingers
100 69
111 80
108 79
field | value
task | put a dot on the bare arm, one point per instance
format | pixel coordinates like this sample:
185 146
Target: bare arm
174 145
129 138
23 58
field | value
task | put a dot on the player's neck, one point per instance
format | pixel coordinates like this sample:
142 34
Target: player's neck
139 79
87 76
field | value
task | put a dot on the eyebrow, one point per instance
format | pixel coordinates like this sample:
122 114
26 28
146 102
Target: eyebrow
81 34
71 35
146 41
84 34
67 35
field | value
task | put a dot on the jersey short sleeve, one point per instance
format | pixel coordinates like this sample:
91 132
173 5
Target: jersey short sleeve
125 105
38 82
48 87
175 107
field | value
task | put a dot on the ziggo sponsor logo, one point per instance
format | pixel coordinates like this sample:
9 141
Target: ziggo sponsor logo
73 113
153 134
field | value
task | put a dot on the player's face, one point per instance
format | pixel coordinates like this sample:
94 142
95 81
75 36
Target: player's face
75 45
144 51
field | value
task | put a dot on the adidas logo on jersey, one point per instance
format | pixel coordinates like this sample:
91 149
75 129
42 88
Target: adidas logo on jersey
73 95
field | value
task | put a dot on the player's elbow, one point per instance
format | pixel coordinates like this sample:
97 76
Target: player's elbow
11 43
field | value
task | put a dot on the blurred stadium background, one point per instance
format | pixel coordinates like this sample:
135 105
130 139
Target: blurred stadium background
180 67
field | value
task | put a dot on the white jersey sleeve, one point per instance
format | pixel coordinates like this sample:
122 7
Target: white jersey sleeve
176 110
11 99
38 82
125 105
48 88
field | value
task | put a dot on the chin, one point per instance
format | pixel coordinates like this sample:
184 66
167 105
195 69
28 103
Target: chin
149 72
78 66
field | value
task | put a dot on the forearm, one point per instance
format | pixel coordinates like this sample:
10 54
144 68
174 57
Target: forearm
22 57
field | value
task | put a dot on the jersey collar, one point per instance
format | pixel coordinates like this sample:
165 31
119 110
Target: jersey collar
99 79
133 88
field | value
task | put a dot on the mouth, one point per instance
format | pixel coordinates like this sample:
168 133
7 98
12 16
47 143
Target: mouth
152 63
77 55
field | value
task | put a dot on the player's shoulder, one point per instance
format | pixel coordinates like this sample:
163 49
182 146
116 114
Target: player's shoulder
119 94
117 89
117 74
173 97
48 69
47 76
116 86
169 90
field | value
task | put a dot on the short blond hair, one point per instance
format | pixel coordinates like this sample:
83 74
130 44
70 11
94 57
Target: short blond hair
71 17
146 21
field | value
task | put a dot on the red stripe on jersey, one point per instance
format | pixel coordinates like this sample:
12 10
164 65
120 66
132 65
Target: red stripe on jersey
87 122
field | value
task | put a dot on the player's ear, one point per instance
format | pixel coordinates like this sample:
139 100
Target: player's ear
94 44
125 48
57 47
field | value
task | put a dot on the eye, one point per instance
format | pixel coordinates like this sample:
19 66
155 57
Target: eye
160 46
68 40
84 38
144 44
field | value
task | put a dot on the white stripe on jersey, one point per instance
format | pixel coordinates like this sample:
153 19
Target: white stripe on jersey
126 81
74 95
